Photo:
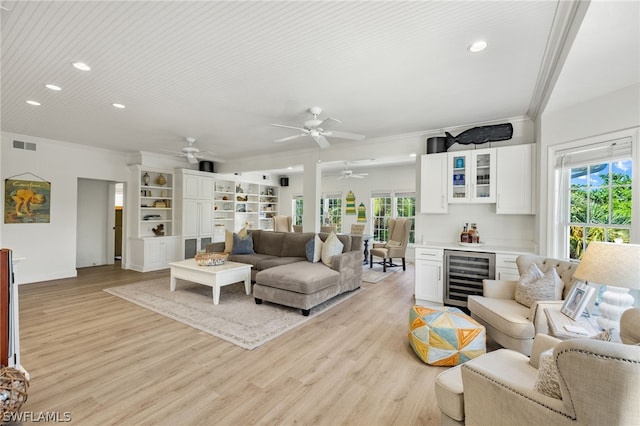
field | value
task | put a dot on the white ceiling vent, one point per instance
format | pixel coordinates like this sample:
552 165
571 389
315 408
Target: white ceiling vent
29 146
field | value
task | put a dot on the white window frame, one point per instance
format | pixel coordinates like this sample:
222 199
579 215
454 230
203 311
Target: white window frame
557 231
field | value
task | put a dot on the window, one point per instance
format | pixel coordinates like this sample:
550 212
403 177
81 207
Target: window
381 211
406 207
297 209
385 205
594 197
331 210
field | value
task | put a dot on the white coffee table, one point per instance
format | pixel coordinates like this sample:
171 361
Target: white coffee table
213 276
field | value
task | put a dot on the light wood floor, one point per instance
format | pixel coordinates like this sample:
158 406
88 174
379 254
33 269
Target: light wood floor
108 361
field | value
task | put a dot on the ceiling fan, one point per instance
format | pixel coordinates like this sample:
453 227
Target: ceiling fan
192 153
313 128
348 174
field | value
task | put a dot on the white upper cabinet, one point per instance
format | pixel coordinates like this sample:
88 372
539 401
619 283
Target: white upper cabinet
472 176
514 168
433 183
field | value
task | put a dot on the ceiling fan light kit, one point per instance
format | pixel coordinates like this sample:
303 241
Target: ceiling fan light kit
193 155
312 127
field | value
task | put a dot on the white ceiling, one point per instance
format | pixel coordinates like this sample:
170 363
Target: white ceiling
222 71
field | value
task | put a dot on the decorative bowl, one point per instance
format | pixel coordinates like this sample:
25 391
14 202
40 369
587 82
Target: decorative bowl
211 258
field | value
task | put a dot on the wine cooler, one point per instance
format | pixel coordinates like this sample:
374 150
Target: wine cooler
465 271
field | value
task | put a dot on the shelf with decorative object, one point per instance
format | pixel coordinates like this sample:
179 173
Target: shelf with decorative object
152 241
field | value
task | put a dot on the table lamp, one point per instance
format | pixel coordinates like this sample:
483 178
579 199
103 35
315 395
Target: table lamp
618 267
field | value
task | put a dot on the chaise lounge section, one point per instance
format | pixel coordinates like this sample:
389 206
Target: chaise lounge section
283 275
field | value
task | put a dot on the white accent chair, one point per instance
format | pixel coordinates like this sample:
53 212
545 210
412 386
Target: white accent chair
509 323
282 223
599 384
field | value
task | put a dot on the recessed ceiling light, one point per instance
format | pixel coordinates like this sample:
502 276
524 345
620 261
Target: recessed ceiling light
290 168
35 103
53 87
81 66
478 46
119 106
413 154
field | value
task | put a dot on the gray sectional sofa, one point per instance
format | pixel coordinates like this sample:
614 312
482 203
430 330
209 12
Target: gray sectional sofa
282 274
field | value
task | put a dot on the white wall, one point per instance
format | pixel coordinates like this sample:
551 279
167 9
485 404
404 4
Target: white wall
50 248
93 211
600 117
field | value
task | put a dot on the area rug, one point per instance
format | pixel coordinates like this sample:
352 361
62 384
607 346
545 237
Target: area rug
237 319
375 274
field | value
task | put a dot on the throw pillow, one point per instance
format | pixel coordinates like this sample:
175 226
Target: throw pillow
314 249
392 243
242 245
547 378
547 287
331 247
228 241
605 335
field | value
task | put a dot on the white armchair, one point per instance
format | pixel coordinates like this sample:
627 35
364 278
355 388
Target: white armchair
599 384
509 323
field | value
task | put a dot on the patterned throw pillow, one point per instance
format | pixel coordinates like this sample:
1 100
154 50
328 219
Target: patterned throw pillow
547 378
331 247
242 245
228 239
314 249
547 287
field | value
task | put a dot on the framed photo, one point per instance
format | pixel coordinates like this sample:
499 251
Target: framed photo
574 305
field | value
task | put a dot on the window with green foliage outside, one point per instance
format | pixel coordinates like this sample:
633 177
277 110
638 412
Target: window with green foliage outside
600 204
391 205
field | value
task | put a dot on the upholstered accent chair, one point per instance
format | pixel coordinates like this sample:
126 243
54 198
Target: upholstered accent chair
329 228
596 383
282 223
357 229
395 247
297 228
509 323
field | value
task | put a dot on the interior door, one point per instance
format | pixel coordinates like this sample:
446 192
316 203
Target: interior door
118 234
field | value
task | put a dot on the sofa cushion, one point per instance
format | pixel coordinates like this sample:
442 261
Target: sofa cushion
548 287
294 243
273 261
251 259
505 315
299 277
270 243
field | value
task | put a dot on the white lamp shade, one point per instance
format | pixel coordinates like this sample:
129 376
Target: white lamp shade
611 264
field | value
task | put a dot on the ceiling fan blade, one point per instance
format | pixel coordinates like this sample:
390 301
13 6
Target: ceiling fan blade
344 135
322 141
288 138
357 176
327 119
210 157
289 127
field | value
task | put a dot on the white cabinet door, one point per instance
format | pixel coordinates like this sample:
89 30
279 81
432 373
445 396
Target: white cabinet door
205 188
205 217
472 176
514 166
190 186
190 219
433 183
429 281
